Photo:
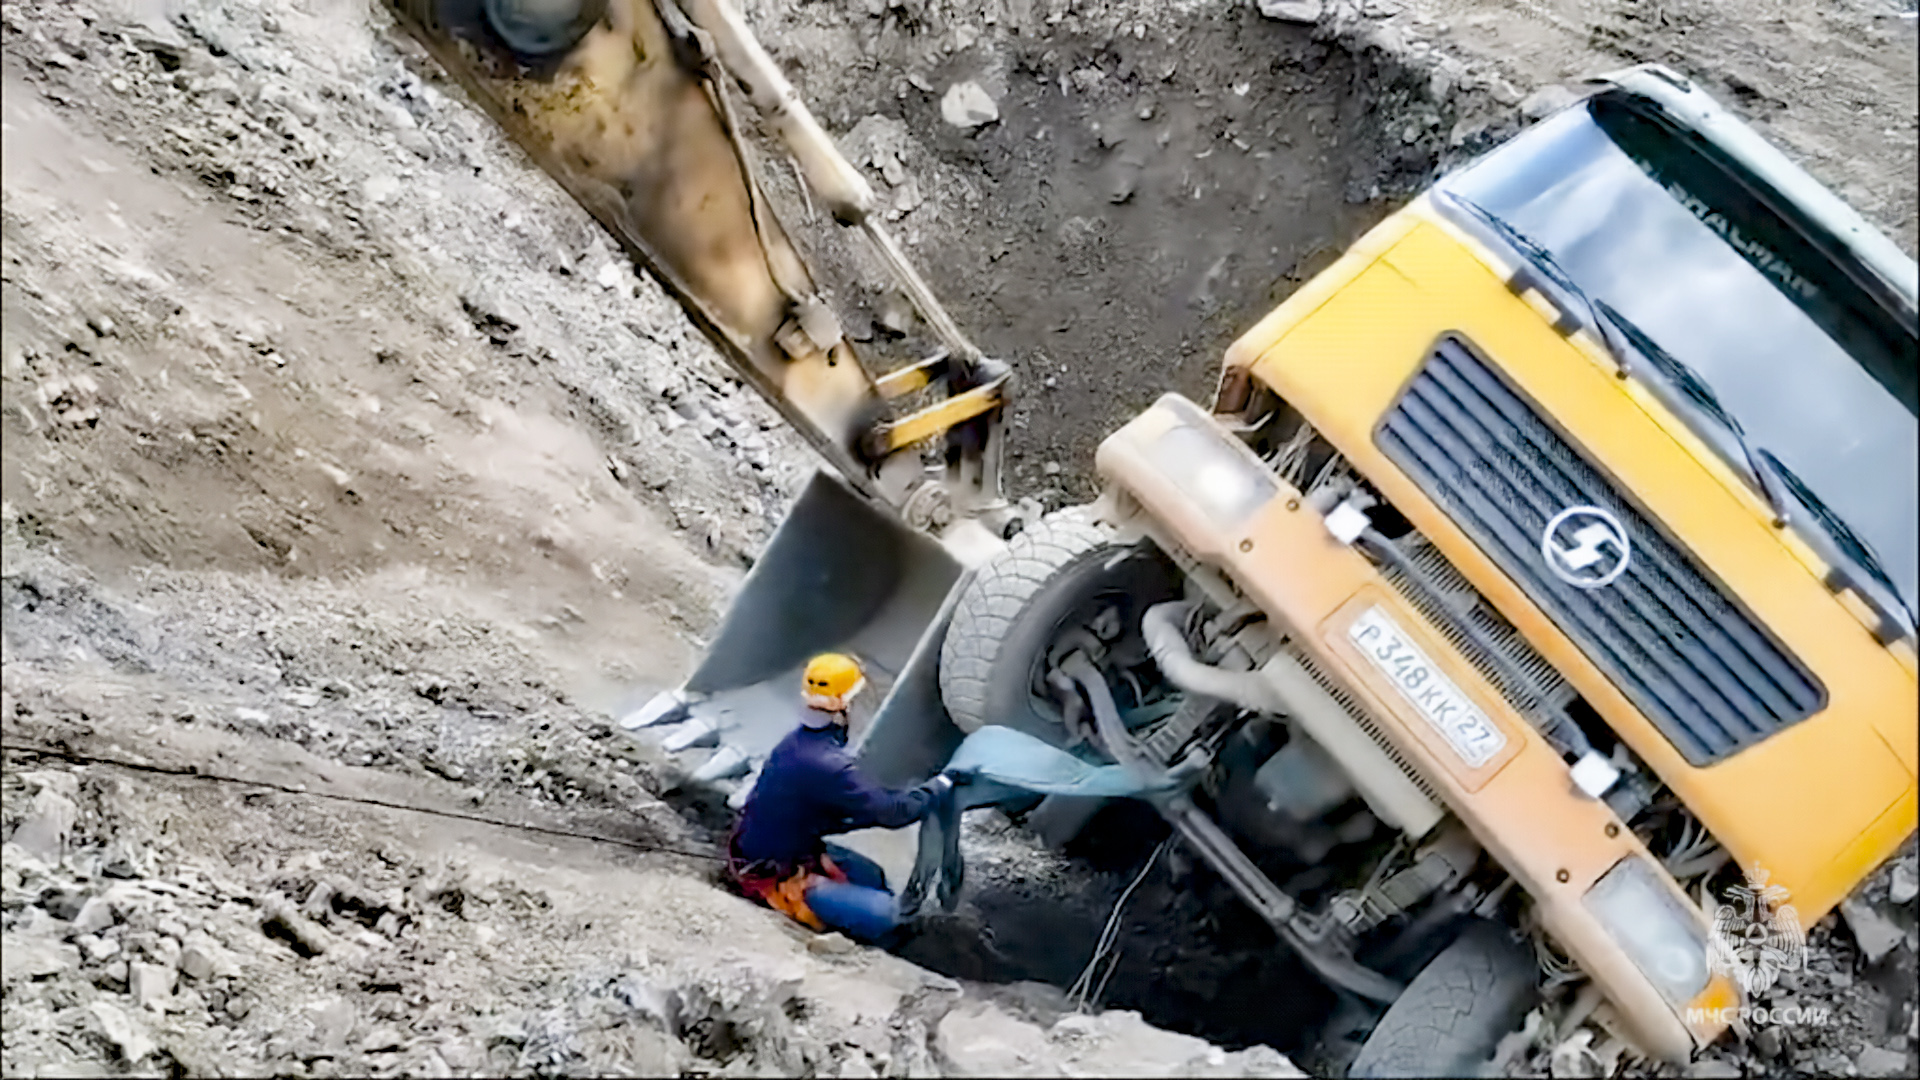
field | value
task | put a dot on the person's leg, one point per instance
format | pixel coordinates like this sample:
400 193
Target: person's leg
859 869
862 913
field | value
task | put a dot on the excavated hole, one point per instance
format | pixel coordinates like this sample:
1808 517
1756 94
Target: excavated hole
1112 240
1191 957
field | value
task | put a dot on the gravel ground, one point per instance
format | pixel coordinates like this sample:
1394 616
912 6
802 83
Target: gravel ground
278 850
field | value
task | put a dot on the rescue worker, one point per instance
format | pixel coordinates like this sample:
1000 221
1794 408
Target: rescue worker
809 789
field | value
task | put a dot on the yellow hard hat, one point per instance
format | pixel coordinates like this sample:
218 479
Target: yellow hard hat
831 681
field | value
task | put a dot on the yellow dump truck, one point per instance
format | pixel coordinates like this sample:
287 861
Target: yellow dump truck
1584 485
1545 568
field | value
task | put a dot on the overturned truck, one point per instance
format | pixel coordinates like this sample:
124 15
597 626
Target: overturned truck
1545 567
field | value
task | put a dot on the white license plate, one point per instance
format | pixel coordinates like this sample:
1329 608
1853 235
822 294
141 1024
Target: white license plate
1465 727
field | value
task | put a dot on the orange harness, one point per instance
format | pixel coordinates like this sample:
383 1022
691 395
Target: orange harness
787 895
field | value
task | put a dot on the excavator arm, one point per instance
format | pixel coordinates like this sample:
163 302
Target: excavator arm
635 108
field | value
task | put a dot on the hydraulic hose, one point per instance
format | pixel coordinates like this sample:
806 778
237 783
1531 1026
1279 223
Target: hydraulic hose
1167 644
1273 905
1106 719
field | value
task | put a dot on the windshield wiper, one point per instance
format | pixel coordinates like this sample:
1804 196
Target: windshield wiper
1763 466
1775 482
1609 325
1543 260
1851 543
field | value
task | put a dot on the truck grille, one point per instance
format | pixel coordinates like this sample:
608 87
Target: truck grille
1521 675
1698 666
1362 719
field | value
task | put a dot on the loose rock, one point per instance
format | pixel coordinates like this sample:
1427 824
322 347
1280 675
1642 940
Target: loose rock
195 963
151 984
38 959
1832 1063
1883 1061
127 1034
832 944
302 933
64 903
1293 11
123 862
966 105
1873 932
1902 885
44 833
94 916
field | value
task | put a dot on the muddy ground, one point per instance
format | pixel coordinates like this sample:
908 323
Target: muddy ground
353 488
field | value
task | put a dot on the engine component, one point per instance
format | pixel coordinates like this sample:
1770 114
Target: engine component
1305 933
1168 646
1283 688
1391 793
1302 780
1442 863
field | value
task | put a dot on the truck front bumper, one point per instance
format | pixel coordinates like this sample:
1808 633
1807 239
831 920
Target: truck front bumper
1201 492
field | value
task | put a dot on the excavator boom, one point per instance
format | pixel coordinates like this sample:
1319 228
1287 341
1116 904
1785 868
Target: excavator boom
636 108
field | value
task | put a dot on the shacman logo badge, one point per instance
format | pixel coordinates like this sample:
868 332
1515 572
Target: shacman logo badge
1757 936
1586 547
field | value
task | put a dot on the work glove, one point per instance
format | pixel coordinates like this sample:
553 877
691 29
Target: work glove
938 786
1187 771
960 775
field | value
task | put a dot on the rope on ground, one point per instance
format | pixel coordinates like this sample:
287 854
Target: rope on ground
191 773
1084 991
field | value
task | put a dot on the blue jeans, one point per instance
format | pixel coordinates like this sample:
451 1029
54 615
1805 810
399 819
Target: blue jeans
862 907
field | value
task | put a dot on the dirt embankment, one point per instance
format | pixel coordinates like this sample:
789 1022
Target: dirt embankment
395 319
243 840
351 487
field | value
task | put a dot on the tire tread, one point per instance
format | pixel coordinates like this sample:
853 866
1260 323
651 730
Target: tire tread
997 596
1451 1017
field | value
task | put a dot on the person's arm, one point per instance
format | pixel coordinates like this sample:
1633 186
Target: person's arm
866 804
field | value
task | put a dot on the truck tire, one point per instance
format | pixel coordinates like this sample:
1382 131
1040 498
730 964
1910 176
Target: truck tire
1452 1016
1021 600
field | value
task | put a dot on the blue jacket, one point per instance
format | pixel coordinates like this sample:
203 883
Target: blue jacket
810 788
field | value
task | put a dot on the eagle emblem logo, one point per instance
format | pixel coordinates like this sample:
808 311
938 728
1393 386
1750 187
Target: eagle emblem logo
1756 936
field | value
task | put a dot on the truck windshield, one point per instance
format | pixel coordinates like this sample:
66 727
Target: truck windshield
1821 377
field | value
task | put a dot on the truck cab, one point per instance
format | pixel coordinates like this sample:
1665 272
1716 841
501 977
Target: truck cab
1585 485
1563 531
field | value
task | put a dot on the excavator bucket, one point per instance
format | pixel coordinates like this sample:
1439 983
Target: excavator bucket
838 576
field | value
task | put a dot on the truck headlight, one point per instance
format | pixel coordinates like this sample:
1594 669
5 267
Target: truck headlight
1653 927
1209 467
